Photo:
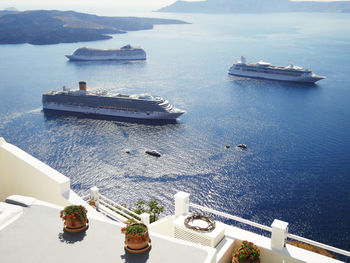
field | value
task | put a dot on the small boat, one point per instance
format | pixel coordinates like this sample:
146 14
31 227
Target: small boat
242 146
153 153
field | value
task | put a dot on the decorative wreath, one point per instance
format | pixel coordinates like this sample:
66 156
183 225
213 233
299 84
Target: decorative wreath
196 216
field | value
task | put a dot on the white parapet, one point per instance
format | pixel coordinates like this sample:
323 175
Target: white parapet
279 234
182 203
210 239
22 174
145 218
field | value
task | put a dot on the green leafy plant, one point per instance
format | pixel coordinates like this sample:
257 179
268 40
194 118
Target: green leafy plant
74 212
136 230
247 253
152 207
140 207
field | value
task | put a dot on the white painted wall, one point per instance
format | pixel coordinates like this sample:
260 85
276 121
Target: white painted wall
163 226
22 174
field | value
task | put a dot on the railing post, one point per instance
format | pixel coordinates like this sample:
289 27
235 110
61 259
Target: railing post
279 234
145 218
182 203
95 196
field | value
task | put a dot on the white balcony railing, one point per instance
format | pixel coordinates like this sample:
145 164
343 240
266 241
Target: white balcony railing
278 229
263 227
112 209
236 218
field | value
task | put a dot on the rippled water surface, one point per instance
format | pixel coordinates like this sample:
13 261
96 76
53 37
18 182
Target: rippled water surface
297 165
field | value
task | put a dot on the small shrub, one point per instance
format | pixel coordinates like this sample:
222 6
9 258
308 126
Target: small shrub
74 212
247 253
135 230
152 207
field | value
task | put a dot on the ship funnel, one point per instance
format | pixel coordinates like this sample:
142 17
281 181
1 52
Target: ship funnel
82 85
243 61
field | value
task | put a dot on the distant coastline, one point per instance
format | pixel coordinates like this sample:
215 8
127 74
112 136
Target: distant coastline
255 6
42 27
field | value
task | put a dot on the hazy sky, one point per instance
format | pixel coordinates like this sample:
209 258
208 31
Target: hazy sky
128 4
89 5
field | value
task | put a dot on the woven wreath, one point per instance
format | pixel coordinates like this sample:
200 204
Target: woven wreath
196 216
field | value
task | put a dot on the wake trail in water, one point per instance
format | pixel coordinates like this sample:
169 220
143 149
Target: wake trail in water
4 120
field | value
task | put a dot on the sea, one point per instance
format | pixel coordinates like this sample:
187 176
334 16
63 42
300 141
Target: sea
297 164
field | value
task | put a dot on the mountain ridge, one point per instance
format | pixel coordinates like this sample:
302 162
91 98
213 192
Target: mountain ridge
255 6
40 27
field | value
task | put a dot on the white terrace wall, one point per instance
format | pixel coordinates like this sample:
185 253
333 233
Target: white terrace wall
22 174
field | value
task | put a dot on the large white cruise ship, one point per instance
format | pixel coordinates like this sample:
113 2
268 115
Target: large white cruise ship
124 53
265 70
140 106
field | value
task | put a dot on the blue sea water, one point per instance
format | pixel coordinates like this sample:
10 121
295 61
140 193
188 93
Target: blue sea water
297 166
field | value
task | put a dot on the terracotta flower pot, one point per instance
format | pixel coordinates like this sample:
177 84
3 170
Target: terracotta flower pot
235 260
137 243
75 223
136 238
75 219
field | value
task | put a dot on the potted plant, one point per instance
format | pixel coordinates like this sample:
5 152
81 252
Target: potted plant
136 237
75 218
92 202
247 253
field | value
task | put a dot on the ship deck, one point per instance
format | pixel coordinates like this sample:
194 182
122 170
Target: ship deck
275 67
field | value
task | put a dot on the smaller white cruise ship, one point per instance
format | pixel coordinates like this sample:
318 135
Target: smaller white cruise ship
265 70
124 53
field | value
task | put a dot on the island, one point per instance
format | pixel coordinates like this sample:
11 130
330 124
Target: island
40 27
255 6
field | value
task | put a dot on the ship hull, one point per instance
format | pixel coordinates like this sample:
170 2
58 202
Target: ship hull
258 75
106 58
151 115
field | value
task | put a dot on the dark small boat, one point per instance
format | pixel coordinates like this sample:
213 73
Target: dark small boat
242 146
153 153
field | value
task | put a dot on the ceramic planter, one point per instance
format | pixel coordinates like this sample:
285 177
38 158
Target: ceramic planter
75 225
136 244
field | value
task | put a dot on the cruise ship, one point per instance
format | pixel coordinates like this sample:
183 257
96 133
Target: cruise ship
138 106
265 70
124 53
